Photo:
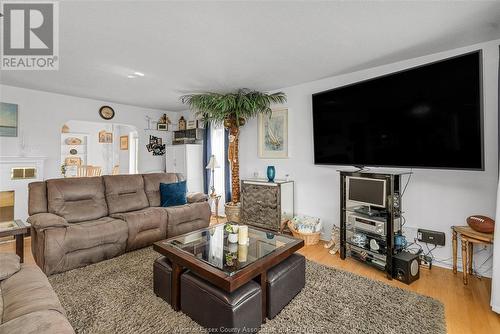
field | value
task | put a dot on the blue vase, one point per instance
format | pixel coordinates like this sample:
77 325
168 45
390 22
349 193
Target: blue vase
271 173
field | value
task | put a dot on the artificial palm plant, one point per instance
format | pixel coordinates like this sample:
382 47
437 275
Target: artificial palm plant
232 110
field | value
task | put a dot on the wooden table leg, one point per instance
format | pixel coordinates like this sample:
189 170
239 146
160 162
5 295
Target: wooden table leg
470 256
464 260
176 286
454 243
20 246
263 289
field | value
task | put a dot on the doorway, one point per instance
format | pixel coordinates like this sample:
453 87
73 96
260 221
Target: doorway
98 148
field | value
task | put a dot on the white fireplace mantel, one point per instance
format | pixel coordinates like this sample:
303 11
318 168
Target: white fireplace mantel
20 186
10 159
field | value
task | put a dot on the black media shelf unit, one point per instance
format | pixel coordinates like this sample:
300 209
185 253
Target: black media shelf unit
382 227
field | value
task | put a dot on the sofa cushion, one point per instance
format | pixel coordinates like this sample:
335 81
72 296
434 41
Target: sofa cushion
37 197
152 185
28 291
40 322
187 218
9 265
144 226
173 194
125 193
83 243
77 199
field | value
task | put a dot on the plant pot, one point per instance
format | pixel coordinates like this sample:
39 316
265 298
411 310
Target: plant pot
232 212
232 237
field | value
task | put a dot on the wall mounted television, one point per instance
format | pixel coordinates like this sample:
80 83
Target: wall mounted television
424 117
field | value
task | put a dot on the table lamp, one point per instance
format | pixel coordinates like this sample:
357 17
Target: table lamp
212 164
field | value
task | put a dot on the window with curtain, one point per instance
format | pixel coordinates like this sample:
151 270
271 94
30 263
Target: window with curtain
217 145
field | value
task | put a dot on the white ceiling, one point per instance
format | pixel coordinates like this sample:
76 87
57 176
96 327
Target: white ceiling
187 47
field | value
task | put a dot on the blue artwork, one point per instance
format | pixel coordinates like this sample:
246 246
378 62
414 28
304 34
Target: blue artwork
8 119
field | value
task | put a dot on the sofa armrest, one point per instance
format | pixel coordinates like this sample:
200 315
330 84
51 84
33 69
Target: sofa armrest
187 218
195 197
45 220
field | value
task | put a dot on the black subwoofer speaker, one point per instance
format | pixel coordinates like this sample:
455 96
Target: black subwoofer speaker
406 267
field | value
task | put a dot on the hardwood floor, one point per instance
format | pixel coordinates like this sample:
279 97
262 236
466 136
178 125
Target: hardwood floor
467 307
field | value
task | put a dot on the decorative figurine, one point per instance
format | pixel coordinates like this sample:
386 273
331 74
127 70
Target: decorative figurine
182 123
334 243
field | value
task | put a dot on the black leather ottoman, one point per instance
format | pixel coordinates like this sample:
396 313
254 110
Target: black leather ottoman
284 282
162 278
218 310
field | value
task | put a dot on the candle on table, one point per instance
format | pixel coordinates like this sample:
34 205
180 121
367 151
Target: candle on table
243 235
242 253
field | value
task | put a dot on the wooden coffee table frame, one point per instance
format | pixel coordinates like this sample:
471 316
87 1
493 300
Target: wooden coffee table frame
182 260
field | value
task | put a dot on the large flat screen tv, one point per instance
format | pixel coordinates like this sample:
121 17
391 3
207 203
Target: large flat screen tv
425 117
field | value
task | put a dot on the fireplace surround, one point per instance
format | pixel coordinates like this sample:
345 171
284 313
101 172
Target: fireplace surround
15 174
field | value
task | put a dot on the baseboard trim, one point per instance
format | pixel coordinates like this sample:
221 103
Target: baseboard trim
441 264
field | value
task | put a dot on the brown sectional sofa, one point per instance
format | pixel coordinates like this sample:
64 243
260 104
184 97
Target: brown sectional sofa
28 304
79 221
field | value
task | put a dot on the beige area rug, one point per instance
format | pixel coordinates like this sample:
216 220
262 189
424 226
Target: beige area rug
116 296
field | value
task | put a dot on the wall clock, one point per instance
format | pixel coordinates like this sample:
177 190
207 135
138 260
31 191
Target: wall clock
106 112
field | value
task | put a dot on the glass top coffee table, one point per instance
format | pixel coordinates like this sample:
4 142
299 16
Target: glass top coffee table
209 254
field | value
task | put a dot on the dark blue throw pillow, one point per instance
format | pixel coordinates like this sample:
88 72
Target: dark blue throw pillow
173 193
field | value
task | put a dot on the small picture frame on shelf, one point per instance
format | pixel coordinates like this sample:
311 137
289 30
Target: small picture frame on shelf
123 143
162 126
105 137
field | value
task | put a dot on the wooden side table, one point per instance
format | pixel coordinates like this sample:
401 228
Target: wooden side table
468 237
18 229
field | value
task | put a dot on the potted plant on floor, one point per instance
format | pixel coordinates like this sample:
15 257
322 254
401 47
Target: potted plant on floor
232 110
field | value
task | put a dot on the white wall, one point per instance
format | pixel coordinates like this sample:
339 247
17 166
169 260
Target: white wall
124 155
495 282
435 199
42 114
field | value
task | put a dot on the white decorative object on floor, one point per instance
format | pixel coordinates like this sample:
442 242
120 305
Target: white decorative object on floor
188 160
334 243
307 224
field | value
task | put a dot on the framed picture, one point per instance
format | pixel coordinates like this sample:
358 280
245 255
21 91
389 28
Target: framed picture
105 137
73 161
162 127
123 142
273 135
8 119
